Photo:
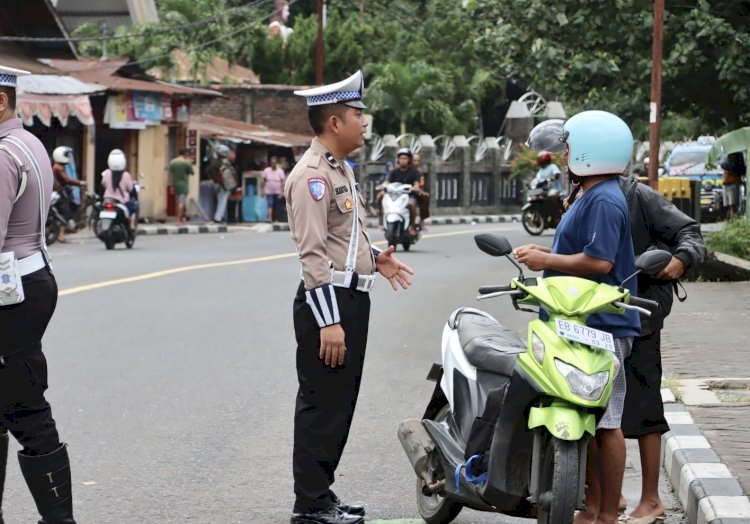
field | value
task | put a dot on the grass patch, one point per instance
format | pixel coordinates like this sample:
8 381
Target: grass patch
733 240
672 384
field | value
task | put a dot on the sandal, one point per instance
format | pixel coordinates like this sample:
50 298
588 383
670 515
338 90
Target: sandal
649 519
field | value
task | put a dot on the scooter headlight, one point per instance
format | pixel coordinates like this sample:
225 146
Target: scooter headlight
537 346
588 387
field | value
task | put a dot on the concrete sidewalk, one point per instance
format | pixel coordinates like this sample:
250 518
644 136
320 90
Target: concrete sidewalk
707 454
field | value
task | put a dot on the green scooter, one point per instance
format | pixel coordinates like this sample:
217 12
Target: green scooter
508 424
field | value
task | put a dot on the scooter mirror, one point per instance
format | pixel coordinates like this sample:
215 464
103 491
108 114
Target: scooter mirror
492 244
651 262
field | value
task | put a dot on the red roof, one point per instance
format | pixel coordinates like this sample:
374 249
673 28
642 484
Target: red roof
224 128
104 73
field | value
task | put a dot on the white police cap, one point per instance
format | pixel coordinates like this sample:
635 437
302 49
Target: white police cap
8 75
348 92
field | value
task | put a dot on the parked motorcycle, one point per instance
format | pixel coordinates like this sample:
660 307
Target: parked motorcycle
113 224
508 424
541 211
396 215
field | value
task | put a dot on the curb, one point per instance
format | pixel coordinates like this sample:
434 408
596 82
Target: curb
439 221
262 227
705 487
181 230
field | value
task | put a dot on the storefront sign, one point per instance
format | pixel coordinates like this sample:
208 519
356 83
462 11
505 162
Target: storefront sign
147 106
118 113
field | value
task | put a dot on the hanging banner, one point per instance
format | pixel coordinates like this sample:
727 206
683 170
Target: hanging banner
45 107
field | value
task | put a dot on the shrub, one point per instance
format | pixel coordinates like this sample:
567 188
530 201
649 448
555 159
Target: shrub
733 240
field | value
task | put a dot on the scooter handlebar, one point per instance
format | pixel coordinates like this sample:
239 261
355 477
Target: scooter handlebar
643 302
484 290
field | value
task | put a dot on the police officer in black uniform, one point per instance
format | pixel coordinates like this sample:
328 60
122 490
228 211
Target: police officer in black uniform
327 220
25 192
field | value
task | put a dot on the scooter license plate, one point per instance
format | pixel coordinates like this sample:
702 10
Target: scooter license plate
585 335
108 214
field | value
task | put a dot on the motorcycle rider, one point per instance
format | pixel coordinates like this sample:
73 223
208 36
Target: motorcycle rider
403 174
117 183
594 241
61 156
549 172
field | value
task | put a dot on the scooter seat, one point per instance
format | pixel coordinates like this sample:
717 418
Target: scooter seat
489 345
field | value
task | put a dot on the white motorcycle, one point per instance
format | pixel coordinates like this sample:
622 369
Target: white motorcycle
396 215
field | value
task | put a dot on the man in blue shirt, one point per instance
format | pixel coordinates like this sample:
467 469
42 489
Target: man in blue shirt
593 241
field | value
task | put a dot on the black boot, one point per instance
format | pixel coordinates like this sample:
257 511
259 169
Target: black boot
3 462
48 478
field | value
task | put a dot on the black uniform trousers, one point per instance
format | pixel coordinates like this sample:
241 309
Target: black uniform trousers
326 398
23 368
643 412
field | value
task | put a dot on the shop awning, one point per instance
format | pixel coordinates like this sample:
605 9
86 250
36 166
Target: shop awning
47 96
236 131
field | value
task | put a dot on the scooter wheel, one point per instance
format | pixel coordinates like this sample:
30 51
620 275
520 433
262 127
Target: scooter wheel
533 221
130 242
435 509
559 482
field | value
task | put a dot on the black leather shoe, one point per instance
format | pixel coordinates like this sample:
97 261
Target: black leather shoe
332 515
349 508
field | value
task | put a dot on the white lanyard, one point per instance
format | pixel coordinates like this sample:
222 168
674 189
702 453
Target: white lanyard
35 167
351 258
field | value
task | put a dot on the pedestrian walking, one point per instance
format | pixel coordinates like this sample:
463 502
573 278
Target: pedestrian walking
594 241
180 170
28 296
332 306
273 187
655 223
227 180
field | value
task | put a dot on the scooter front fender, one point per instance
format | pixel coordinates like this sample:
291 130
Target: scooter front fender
526 206
563 421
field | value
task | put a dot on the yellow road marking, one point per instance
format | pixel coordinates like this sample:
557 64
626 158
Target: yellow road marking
211 265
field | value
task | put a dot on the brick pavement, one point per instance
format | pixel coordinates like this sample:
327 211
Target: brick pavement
708 336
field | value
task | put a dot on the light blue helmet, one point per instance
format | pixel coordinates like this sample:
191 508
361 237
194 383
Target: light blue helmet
598 143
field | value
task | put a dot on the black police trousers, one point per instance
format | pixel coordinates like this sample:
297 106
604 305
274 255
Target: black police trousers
326 398
23 368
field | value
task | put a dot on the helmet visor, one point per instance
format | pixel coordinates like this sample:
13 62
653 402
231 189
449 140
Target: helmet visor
548 136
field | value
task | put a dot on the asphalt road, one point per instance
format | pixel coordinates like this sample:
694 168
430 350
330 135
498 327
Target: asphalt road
172 375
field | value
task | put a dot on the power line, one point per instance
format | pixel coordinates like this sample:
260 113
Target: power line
145 33
188 49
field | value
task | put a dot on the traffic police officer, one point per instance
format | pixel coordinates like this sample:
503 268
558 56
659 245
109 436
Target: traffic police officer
25 193
327 220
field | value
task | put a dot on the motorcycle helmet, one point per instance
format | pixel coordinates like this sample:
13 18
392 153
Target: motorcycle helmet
598 142
116 160
62 154
404 151
222 150
543 157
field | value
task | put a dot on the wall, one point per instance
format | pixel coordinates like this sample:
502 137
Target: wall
276 107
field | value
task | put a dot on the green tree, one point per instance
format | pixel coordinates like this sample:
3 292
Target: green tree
597 53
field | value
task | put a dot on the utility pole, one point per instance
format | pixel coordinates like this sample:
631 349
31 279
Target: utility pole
105 34
655 107
319 49
361 12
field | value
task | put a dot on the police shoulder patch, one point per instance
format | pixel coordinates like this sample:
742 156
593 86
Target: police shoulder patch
317 187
